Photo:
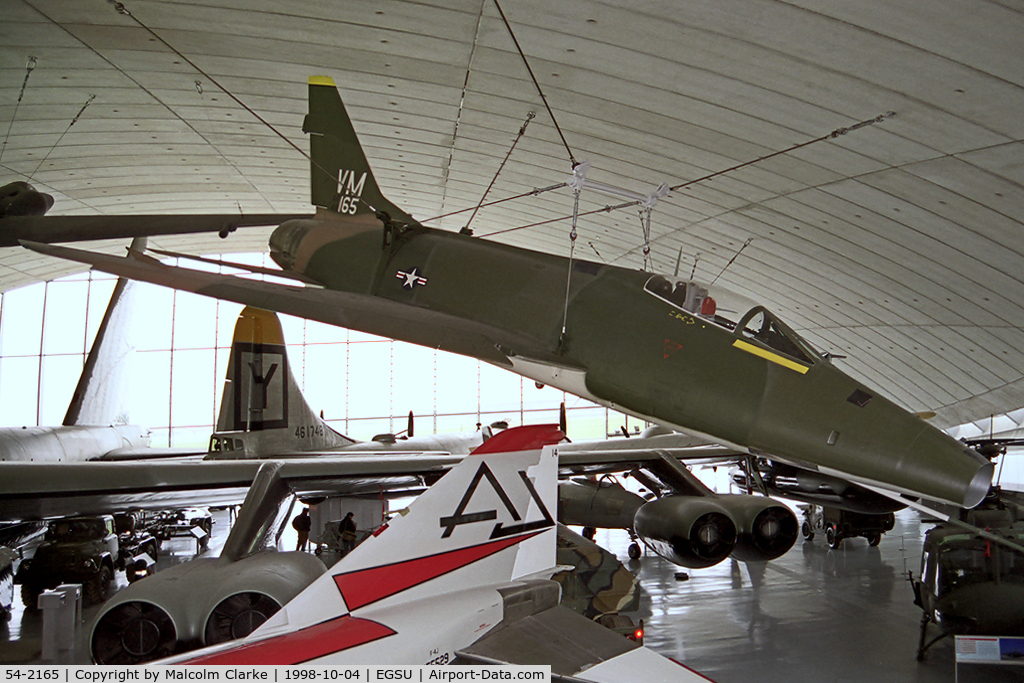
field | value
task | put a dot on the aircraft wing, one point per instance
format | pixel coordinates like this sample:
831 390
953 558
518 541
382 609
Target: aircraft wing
43 490
48 229
619 455
46 490
576 647
371 314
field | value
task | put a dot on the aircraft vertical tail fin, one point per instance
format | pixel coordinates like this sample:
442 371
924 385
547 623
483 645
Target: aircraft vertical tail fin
341 177
488 521
100 398
262 410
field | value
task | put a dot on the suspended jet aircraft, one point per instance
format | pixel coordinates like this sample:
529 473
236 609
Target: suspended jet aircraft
470 561
648 345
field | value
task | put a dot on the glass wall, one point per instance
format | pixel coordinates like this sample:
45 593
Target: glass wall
365 385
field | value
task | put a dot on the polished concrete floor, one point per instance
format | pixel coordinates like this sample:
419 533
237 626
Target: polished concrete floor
814 614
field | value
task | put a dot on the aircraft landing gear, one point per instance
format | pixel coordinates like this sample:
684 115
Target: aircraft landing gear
634 550
922 647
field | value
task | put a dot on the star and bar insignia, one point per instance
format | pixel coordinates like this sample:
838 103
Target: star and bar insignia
411 277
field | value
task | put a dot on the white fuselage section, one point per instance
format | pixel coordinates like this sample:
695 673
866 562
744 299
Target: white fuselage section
68 444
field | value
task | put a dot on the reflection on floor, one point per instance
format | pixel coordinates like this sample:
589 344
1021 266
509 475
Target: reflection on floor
814 614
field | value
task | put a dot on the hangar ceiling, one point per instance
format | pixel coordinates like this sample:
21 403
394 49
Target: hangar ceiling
898 245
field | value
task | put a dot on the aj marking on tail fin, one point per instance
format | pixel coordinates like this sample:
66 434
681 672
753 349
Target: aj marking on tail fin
412 593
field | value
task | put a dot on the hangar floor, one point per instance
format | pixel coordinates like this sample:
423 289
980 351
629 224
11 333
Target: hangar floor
813 614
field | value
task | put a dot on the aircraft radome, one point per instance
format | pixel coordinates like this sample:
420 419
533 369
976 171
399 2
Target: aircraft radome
651 346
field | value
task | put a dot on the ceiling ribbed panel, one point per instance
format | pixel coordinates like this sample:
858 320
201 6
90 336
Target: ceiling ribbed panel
899 244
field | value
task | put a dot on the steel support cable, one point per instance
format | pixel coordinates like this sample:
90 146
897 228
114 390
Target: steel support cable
540 92
532 193
615 207
24 84
121 9
568 276
54 146
522 131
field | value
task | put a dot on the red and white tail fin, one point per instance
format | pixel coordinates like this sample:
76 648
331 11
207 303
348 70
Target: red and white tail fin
488 521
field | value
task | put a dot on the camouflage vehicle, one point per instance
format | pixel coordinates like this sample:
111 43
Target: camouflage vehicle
75 550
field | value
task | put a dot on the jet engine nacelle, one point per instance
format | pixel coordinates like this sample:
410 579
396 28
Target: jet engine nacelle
765 529
21 199
201 602
699 532
692 531
604 504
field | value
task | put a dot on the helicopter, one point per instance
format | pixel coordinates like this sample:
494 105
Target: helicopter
968 584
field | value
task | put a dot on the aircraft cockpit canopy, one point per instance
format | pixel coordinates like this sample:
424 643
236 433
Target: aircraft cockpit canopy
758 324
761 325
963 560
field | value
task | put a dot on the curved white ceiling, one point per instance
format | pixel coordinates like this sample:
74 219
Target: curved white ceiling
898 245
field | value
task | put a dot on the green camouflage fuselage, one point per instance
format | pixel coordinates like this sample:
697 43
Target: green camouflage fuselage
627 348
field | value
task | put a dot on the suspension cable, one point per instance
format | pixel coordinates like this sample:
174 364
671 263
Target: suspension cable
54 146
624 205
540 92
568 276
522 131
532 193
24 84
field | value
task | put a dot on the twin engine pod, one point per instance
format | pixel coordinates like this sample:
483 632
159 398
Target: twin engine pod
202 602
699 531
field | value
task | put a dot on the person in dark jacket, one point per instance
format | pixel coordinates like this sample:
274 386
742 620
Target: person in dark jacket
348 534
302 524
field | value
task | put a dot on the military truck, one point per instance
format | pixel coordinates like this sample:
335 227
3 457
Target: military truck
81 550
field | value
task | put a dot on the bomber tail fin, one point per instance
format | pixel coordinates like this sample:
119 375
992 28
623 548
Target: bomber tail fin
342 180
263 411
100 397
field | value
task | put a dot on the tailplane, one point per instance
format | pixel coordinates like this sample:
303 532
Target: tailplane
342 181
263 411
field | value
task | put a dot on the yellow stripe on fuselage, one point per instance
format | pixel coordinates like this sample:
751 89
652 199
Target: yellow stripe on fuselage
769 355
321 80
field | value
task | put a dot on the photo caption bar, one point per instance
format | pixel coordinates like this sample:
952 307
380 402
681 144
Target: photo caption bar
312 673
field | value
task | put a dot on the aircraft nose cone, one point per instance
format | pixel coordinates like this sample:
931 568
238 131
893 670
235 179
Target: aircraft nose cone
980 485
